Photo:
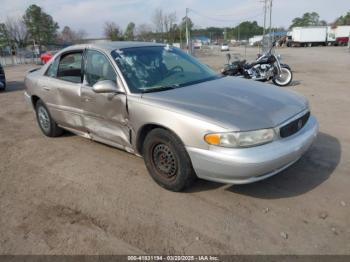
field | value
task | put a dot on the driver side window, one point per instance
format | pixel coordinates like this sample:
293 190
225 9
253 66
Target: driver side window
98 68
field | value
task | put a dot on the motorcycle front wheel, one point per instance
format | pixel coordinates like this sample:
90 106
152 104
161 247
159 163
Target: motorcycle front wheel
283 79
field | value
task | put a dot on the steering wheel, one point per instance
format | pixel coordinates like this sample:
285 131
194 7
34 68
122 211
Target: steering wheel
175 69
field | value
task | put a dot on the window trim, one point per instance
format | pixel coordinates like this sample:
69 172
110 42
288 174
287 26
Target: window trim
49 66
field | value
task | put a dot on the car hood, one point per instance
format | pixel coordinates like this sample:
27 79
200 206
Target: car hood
232 103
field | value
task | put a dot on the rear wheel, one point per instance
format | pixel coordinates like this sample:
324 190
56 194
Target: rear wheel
47 125
284 78
3 88
167 160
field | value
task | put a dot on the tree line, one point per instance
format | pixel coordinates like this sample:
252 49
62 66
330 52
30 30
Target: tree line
165 27
313 19
36 27
39 28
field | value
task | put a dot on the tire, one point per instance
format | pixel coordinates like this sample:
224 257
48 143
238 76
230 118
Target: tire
283 80
167 160
3 89
47 125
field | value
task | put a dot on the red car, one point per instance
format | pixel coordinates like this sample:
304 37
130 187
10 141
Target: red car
45 57
342 40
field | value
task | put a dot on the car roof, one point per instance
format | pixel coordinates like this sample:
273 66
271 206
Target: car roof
110 46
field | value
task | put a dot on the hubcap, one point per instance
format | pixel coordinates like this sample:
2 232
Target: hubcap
44 119
164 160
284 77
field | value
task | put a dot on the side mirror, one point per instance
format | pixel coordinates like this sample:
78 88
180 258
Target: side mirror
228 57
107 86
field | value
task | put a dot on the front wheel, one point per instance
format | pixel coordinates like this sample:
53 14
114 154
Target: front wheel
284 78
167 160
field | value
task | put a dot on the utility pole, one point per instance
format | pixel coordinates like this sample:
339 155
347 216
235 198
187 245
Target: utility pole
180 36
187 33
270 27
239 34
265 6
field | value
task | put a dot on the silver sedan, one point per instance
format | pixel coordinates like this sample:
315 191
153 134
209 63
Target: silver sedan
184 119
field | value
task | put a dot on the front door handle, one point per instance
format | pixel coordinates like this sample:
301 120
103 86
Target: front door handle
46 88
87 99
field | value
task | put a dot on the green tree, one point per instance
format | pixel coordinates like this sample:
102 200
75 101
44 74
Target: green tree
308 19
129 32
244 30
247 29
343 20
40 25
113 31
182 27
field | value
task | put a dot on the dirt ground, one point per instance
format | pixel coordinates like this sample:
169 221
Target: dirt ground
70 195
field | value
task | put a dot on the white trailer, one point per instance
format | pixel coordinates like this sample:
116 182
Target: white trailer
255 40
342 33
309 36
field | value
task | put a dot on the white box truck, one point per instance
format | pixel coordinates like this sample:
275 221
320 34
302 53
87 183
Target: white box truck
309 36
255 40
331 35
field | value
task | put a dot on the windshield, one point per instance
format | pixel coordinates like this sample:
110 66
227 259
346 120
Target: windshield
157 68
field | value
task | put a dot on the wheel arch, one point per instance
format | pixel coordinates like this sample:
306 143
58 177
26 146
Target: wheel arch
34 99
144 131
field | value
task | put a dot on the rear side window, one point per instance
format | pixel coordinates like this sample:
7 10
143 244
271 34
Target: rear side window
52 70
98 68
69 68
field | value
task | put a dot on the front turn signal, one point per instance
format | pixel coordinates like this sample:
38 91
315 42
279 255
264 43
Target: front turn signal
212 139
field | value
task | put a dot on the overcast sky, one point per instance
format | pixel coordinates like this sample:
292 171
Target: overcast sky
90 15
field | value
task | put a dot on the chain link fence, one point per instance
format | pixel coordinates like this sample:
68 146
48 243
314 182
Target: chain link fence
19 59
20 56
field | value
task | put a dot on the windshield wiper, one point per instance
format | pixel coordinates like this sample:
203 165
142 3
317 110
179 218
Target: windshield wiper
158 89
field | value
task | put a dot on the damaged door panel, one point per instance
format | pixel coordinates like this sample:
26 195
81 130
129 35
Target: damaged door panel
63 84
105 114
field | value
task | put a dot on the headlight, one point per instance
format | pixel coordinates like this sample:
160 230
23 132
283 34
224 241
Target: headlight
241 139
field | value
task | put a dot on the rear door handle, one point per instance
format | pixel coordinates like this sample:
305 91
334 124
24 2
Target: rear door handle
46 88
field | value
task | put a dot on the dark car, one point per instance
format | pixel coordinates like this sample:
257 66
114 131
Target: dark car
2 79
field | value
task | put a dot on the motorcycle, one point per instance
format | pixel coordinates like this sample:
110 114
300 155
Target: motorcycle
266 67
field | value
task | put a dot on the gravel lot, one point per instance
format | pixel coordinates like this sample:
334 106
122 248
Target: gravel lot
69 195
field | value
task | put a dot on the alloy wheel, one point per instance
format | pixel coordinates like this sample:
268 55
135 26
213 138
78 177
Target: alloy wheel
44 119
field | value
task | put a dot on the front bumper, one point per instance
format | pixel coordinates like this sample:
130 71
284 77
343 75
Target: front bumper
247 165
